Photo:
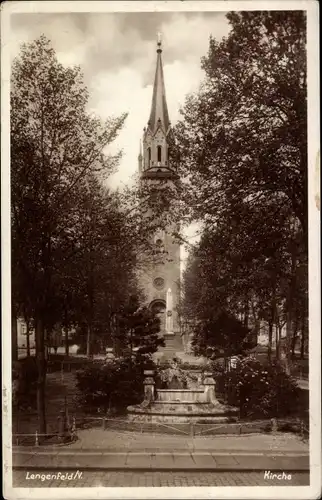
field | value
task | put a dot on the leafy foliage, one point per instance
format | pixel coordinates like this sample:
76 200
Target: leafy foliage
221 335
55 144
139 328
243 135
113 385
58 153
257 389
242 152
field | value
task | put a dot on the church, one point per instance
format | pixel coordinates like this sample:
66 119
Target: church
159 276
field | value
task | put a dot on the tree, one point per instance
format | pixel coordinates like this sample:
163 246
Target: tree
243 135
139 328
223 335
241 150
101 276
55 143
226 271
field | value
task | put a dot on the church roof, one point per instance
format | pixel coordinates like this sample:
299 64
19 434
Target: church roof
159 108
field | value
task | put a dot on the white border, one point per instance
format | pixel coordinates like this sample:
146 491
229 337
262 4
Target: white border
304 492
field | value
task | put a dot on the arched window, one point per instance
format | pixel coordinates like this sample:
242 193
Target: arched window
159 153
159 308
149 157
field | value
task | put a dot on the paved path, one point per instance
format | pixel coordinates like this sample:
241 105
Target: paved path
99 450
94 439
195 461
157 479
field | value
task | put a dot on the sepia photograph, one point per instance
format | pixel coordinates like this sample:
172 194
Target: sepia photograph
160 250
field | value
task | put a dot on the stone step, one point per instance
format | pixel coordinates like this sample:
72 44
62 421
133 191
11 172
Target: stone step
173 345
173 349
173 341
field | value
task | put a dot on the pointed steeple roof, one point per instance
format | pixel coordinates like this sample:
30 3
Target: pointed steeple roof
159 108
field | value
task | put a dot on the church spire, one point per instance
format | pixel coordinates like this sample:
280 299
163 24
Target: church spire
140 158
159 115
155 162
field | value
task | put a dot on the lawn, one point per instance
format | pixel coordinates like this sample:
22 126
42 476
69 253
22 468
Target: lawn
60 390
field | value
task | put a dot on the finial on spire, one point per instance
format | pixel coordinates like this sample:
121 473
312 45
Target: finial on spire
159 43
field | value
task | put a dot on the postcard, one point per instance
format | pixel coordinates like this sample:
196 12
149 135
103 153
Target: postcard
161 249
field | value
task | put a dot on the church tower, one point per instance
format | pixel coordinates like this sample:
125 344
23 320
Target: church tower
159 276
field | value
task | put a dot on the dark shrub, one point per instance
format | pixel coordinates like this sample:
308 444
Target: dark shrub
115 384
259 390
24 380
221 333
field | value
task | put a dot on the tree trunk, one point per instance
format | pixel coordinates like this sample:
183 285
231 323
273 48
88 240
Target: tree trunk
270 339
256 321
14 334
288 343
294 337
28 339
88 341
271 321
66 341
278 338
117 342
131 342
303 338
289 304
246 314
41 381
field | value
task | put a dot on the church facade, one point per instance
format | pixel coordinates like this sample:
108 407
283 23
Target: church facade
159 275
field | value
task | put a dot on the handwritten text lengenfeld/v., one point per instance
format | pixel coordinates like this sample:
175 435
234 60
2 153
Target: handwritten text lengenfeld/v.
66 476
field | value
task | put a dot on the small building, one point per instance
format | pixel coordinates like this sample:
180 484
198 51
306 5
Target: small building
22 335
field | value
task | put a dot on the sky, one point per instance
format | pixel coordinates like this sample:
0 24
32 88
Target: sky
117 53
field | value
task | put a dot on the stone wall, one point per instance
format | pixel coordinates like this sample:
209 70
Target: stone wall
182 395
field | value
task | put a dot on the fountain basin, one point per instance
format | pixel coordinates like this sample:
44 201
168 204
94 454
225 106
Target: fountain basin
181 411
209 418
181 395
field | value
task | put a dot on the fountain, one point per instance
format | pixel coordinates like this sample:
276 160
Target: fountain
177 404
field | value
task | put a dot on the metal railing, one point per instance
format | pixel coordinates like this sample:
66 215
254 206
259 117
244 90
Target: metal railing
190 429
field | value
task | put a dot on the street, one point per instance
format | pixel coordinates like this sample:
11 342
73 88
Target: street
158 478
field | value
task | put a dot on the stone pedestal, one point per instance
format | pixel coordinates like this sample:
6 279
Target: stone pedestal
109 354
149 387
169 317
209 385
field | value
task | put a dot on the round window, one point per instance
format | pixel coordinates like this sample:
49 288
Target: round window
159 283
